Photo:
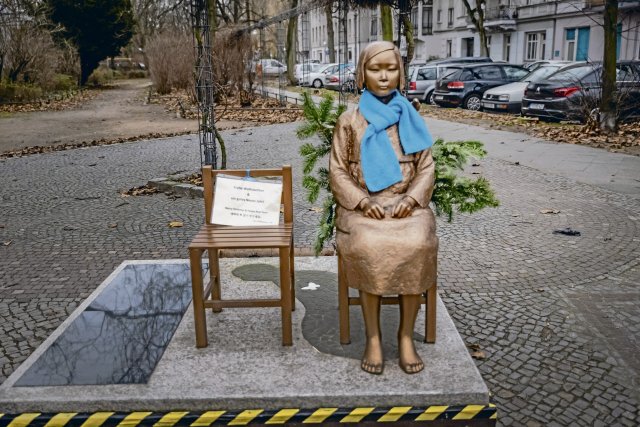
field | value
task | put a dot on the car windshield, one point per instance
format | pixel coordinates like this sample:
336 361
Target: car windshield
575 73
447 71
325 68
540 73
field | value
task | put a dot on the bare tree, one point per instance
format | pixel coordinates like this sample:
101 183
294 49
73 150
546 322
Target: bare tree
331 43
290 46
476 15
608 107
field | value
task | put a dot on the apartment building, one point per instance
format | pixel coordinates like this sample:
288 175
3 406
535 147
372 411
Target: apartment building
518 31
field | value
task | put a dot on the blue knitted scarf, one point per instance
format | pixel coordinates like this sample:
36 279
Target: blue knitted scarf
380 166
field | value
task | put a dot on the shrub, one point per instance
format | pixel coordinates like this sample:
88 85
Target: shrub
136 74
63 82
19 92
100 76
171 61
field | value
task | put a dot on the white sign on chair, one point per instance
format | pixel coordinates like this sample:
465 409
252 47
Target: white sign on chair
243 202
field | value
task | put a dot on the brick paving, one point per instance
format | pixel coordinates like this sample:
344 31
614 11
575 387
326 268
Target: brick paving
557 316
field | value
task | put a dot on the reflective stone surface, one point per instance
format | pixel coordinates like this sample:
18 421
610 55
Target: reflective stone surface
122 334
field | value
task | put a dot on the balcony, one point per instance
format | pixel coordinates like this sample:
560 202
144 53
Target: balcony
501 18
537 10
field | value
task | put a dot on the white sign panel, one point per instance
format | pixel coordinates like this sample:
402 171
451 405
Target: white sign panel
241 202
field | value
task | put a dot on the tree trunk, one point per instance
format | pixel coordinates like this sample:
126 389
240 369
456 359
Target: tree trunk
292 32
408 35
386 22
608 107
476 16
331 45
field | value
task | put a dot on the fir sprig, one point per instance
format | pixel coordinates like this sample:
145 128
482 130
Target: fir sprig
451 192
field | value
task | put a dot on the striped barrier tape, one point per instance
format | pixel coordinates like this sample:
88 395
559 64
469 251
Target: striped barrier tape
251 417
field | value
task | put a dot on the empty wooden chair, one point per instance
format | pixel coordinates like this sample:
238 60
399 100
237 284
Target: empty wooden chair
212 238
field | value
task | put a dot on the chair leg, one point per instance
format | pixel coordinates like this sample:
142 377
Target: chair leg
343 306
200 322
292 267
430 315
214 274
285 296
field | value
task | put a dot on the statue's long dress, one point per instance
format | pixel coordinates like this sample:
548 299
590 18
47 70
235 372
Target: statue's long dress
393 255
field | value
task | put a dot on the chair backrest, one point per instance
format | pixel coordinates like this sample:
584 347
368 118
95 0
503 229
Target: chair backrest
209 177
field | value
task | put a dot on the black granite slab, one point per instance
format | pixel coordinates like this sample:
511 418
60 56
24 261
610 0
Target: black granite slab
121 336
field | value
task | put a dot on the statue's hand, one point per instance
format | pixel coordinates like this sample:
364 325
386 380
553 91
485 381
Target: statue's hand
371 209
404 207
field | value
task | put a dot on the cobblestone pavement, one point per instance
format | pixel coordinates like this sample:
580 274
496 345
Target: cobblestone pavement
557 316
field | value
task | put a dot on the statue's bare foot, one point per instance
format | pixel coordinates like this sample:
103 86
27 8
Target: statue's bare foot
410 362
372 360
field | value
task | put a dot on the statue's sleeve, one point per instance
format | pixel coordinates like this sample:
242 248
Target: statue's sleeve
421 186
345 189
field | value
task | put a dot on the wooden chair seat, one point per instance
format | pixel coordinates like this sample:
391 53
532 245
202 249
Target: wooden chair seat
212 238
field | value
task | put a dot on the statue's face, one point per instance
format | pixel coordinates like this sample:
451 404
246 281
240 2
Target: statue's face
382 73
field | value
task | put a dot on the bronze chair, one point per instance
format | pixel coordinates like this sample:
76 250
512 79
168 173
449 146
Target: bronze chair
345 301
212 238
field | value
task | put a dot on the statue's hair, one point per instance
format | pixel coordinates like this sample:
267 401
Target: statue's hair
372 50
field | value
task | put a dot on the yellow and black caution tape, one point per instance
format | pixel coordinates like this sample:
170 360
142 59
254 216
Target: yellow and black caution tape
466 414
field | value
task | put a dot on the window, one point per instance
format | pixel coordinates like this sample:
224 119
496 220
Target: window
570 43
374 25
535 46
427 20
506 47
491 72
448 48
576 44
439 16
450 17
427 74
514 73
414 19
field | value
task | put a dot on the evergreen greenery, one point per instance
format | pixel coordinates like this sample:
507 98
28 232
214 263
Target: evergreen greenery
99 28
452 192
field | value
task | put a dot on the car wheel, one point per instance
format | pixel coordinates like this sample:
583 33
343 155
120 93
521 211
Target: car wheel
430 99
317 83
472 102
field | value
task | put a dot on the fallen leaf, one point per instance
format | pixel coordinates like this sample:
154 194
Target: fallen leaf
113 225
549 211
316 209
176 224
7 243
478 355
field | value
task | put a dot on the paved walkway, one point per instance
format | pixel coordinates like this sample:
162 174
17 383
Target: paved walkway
556 316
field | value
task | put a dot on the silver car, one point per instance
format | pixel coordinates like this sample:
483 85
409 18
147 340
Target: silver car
422 81
508 98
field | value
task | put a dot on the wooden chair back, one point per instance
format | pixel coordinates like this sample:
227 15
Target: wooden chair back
209 177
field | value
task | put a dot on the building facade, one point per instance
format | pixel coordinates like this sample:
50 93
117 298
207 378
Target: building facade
518 31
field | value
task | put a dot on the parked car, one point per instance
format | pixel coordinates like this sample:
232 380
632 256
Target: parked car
316 79
270 67
304 69
575 92
341 80
463 85
508 98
